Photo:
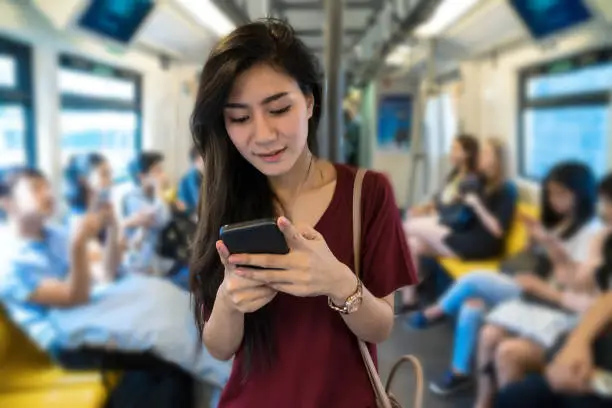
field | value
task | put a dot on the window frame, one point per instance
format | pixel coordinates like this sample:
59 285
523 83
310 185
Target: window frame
589 58
23 92
92 103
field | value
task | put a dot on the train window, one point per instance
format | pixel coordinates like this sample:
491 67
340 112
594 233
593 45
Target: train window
564 113
8 76
100 111
16 112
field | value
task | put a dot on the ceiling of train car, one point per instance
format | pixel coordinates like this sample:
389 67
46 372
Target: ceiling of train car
168 32
308 18
488 26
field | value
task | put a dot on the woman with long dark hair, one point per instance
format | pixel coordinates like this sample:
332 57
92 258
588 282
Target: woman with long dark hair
464 162
562 236
475 223
291 321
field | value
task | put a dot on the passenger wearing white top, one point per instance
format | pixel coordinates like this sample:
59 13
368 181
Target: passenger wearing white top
568 222
575 285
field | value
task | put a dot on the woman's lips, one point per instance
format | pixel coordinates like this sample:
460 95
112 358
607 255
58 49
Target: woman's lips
273 156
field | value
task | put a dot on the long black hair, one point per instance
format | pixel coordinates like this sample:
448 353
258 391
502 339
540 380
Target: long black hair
579 179
79 168
235 190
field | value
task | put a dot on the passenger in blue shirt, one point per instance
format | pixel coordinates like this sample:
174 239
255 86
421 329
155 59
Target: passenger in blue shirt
40 267
88 181
145 214
47 289
189 186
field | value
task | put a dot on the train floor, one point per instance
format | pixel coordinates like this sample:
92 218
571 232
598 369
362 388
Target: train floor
433 348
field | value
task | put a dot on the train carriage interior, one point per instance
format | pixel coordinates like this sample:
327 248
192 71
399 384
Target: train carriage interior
491 120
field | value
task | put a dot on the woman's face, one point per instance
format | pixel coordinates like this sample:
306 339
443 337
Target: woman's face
457 155
266 117
488 160
101 178
561 199
32 198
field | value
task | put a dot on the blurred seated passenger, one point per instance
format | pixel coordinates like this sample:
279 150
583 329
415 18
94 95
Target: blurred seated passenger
89 181
46 287
514 356
145 213
464 162
568 380
189 186
476 226
568 224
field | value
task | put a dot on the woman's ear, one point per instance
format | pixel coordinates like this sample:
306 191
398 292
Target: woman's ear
310 105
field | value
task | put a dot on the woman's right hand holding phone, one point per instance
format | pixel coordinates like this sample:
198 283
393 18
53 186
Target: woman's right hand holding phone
241 294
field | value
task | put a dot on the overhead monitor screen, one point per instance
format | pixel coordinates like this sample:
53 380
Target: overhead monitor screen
546 17
116 19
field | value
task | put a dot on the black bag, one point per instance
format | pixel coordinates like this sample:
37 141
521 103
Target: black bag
152 389
146 381
456 216
459 216
174 240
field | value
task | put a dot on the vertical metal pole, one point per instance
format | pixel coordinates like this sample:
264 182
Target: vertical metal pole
334 84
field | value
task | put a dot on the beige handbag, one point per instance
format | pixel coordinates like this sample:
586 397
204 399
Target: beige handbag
384 399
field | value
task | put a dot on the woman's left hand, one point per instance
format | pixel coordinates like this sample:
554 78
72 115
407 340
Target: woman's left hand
309 269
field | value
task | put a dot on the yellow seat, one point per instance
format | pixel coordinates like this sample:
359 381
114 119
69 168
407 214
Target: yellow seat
29 378
516 241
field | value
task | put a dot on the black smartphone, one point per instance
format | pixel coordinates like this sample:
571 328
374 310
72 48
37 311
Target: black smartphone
254 237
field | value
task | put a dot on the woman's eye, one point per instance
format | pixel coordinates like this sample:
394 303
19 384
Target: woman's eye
281 111
239 120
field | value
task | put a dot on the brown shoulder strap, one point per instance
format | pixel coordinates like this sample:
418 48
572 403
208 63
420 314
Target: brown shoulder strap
381 392
357 187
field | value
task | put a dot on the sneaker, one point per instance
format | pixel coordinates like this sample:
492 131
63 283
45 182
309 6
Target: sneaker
450 383
417 320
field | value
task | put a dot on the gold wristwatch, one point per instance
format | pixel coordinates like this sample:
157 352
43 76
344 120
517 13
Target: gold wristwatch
352 303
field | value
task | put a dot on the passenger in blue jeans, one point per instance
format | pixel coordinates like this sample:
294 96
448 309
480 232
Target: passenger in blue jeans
567 225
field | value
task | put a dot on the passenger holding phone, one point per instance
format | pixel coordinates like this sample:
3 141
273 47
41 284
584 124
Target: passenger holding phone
475 224
88 179
568 223
290 320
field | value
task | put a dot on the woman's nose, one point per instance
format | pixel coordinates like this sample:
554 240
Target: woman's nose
263 131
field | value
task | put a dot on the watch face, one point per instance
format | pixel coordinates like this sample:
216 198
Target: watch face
353 304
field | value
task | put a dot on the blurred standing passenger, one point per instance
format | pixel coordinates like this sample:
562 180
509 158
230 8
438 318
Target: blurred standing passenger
190 184
351 138
255 119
